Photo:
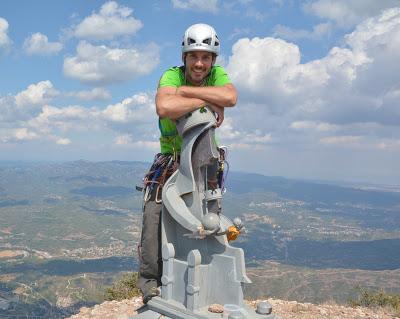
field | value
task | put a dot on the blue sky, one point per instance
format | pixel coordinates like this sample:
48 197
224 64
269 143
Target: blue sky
318 82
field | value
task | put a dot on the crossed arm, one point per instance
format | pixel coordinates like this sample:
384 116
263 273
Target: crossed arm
174 102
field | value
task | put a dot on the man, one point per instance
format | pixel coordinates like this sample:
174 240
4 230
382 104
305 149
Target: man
180 90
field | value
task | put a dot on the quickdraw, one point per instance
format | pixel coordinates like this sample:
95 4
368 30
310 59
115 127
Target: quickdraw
164 165
222 165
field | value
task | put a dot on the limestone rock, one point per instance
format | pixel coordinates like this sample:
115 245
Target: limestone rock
283 309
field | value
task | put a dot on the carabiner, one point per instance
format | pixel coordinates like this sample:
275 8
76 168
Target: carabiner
158 200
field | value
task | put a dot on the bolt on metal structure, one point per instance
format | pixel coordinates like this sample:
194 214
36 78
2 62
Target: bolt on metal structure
200 268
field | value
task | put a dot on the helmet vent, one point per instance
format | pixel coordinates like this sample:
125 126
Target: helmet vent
191 41
216 43
207 41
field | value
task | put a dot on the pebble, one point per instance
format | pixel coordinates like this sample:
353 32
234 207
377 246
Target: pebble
216 308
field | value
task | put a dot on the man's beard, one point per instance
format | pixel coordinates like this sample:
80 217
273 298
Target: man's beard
196 82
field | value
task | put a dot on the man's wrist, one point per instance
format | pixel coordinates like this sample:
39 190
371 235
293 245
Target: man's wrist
204 104
180 90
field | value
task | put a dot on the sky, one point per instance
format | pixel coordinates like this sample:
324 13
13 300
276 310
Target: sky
318 82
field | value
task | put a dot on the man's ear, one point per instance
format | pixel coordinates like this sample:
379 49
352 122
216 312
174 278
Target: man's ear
184 58
214 59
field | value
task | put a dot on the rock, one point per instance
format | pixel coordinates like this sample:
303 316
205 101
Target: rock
216 308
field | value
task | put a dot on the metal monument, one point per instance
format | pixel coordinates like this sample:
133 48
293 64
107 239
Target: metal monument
200 268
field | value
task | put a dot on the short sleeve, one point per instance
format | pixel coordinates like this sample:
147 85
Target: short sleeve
171 77
219 76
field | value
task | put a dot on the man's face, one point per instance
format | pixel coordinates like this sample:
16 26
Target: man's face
198 65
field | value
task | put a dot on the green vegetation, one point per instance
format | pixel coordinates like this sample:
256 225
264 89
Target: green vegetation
305 284
124 288
374 298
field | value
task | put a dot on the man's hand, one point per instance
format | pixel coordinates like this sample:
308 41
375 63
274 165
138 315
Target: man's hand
220 113
217 109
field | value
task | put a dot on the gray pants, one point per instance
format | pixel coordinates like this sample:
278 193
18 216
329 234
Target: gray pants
150 261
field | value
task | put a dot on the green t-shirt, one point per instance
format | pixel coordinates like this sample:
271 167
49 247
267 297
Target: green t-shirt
170 141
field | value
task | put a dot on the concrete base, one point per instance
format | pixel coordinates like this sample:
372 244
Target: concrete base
158 307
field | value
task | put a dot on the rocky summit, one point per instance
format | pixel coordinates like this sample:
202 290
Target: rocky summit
125 309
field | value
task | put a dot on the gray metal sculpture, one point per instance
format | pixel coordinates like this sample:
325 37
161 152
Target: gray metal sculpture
200 268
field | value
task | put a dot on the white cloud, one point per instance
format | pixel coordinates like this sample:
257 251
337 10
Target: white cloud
138 108
105 65
342 140
24 134
127 140
7 109
353 91
334 86
36 94
388 144
123 139
131 117
226 130
311 125
63 141
18 135
347 13
147 145
270 66
94 94
5 41
246 147
319 31
197 5
240 138
67 118
370 35
257 137
39 44
113 20
131 112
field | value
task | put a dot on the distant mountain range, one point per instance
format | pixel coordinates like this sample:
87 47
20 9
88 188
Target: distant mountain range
309 191
74 226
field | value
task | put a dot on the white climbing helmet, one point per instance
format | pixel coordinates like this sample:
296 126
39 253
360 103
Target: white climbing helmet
200 37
